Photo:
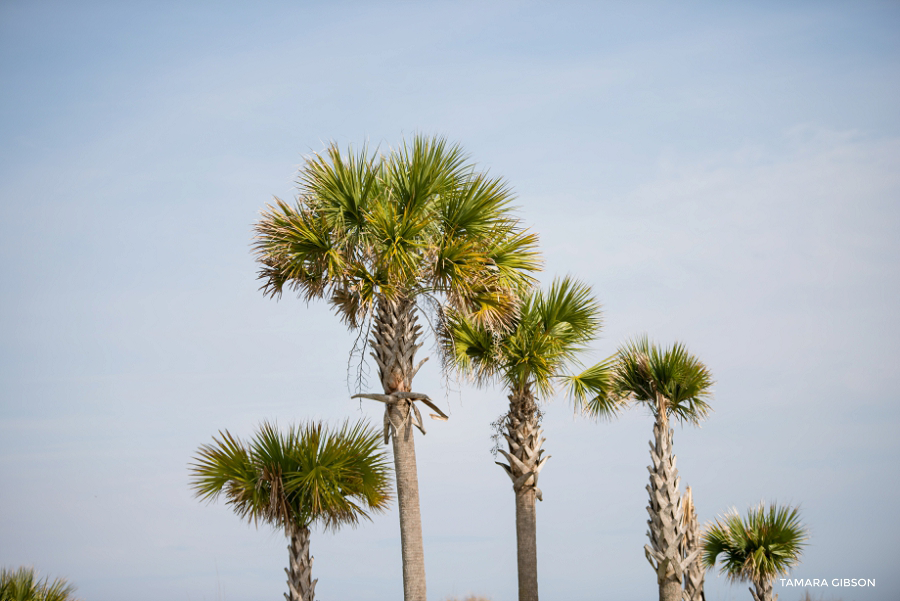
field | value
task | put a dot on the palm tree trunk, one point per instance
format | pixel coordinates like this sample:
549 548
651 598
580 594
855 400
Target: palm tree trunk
300 583
694 573
763 591
526 545
666 516
394 342
523 437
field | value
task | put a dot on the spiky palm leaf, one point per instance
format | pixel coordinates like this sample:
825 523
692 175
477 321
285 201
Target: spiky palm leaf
765 544
22 584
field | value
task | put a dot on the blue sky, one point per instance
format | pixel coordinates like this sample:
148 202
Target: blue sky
721 174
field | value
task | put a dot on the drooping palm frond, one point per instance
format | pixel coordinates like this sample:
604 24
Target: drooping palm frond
671 377
766 544
417 220
303 475
593 390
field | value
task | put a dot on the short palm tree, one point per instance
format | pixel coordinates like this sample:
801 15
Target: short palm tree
673 384
23 584
292 480
530 360
384 237
764 545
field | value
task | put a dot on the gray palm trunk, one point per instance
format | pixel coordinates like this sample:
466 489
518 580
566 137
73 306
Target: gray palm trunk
523 437
763 591
301 586
694 574
395 340
666 514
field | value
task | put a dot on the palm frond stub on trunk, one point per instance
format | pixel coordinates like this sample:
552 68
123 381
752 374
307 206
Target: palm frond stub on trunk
691 546
666 523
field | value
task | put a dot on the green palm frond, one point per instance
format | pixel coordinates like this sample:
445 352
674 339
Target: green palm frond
571 312
22 584
300 476
341 187
766 544
593 390
422 170
672 378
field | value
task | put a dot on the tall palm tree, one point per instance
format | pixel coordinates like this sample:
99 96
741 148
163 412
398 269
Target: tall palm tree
764 545
531 359
673 384
384 237
23 584
292 480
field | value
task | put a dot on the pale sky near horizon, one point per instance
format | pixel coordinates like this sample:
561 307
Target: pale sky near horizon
723 174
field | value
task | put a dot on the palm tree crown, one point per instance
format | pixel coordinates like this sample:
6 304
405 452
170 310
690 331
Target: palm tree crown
764 545
22 584
671 382
419 220
537 353
305 475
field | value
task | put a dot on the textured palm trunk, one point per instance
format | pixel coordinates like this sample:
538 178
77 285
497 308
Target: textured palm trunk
523 437
694 573
763 591
301 586
395 336
666 515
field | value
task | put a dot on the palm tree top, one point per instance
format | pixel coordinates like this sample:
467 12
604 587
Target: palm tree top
303 475
419 219
764 545
22 584
671 377
552 328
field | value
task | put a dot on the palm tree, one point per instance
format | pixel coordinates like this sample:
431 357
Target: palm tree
530 359
764 545
672 384
292 480
383 238
22 585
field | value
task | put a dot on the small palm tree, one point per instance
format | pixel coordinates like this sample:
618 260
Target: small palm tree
764 545
22 584
530 360
295 479
385 238
672 383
